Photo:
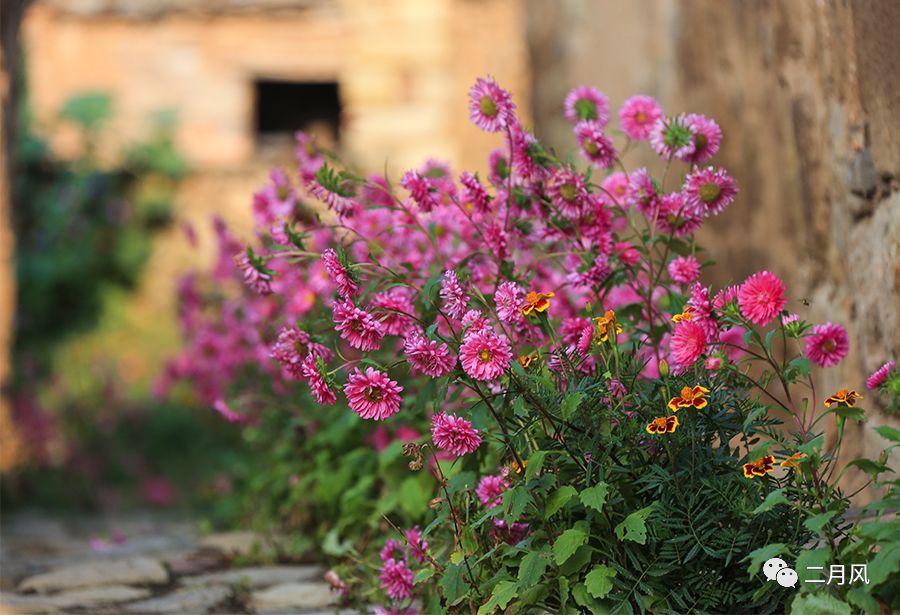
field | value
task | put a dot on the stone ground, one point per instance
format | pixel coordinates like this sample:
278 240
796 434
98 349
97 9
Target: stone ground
146 564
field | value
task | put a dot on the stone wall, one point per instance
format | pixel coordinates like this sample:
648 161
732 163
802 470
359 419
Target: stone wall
808 95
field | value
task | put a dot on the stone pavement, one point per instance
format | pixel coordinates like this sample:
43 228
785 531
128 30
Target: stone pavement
146 564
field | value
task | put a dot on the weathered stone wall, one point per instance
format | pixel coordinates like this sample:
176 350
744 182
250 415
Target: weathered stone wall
808 95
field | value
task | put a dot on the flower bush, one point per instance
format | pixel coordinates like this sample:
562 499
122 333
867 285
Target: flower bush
525 398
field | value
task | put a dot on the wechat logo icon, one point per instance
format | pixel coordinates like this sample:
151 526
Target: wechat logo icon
777 570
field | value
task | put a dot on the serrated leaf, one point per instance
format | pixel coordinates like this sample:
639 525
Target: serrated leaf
634 528
809 563
762 554
599 581
570 404
888 432
567 543
532 568
423 575
819 603
514 502
559 499
594 497
503 593
772 500
453 585
535 464
817 522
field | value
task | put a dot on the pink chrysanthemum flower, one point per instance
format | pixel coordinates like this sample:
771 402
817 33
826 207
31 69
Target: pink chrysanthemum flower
509 299
675 217
880 375
687 345
427 356
312 370
474 195
499 164
339 274
293 346
828 344
568 192
485 355
417 544
787 319
684 269
394 610
373 395
490 490
340 200
672 138
357 326
490 106
259 281
761 297
394 309
642 192
454 434
586 103
226 412
396 580
615 187
710 190
726 296
421 190
475 322
638 115
497 240
700 302
707 138
455 298
596 147
392 549
525 151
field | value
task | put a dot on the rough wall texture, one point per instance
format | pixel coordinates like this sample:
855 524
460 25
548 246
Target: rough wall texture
808 96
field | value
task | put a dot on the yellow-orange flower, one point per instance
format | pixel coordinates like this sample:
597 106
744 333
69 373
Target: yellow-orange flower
687 314
689 397
606 324
527 359
791 462
515 468
844 397
536 302
760 467
663 424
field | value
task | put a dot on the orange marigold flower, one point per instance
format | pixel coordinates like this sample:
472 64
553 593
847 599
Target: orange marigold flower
689 397
760 467
791 462
515 468
844 397
606 324
687 314
536 302
663 424
527 359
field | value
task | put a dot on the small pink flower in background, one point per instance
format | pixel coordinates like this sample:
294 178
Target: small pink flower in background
417 544
337 584
627 253
673 138
713 363
674 216
392 549
586 103
490 490
158 490
789 318
684 269
490 106
828 344
258 281
638 115
357 326
614 186
293 346
455 298
710 190
395 610
474 194
454 434
642 192
595 146
726 296
761 297
372 394
342 204
420 190
568 191
318 383
707 138
339 274
405 433
880 375
396 580
485 355
227 413
509 299
428 356
688 343
389 305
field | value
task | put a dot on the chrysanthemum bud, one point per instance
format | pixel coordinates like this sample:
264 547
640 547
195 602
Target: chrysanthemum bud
663 368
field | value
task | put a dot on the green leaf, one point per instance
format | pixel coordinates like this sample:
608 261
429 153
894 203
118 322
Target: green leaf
535 463
559 499
772 500
453 585
816 558
570 404
594 497
503 593
813 446
599 581
633 528
869 466
885 564
532 568
888 432
817 522
567 543
423 575
819 603
514 502
853 413
762 554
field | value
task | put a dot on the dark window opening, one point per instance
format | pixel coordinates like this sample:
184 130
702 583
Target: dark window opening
284 107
